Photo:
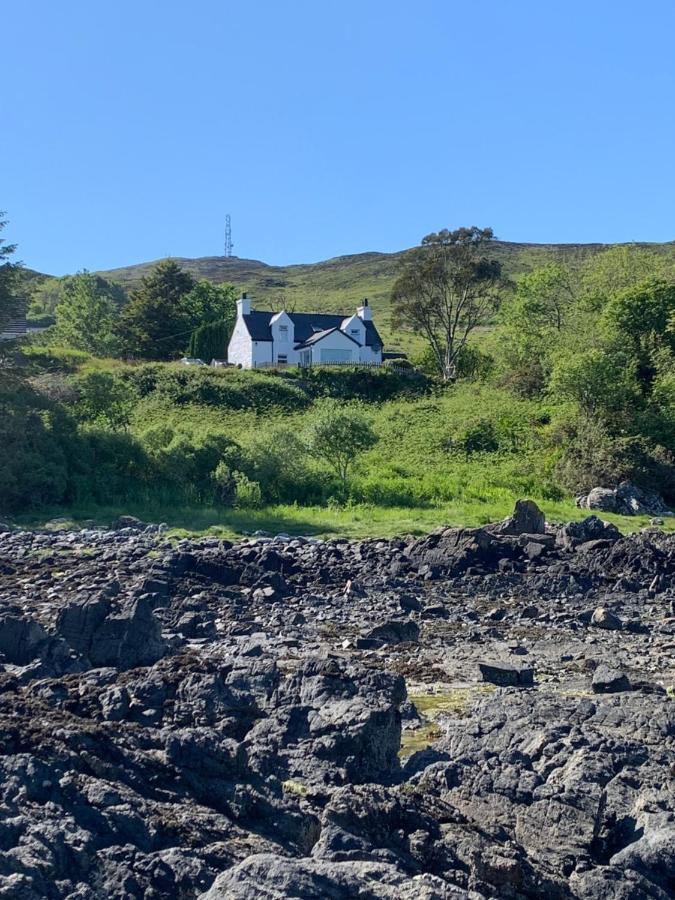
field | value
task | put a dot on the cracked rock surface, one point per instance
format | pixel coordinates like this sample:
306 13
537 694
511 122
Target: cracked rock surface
479 713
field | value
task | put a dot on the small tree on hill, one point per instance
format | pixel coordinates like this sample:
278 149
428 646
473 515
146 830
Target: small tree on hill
448 287
337 434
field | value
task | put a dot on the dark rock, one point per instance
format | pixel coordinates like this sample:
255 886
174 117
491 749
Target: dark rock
129 522
589 529
21 639
125 638
394 632
526 518
434 611
609 681
506 675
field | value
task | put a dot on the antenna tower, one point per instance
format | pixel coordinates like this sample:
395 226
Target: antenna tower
228 235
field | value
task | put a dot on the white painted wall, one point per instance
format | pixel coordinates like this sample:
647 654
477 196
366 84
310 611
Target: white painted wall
354 327
239 350
337 341
262 352
283 343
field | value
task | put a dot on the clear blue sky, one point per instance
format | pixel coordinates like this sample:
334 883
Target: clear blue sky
129 129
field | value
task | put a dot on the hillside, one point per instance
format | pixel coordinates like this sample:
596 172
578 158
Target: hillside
337 284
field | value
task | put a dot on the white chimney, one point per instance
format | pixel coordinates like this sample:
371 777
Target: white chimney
364 312
243 305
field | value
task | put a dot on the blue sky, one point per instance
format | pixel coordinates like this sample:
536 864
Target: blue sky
129 129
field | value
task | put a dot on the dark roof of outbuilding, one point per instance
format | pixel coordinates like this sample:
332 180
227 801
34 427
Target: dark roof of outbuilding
306 325
320 335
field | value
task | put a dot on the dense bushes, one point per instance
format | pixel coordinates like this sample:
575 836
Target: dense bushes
47 460
601 339
372 385
226 388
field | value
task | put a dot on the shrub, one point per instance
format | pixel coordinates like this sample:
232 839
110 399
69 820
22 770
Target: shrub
105 400
355 382
337 434
277 459
474 365
54 358
248 494
226 485
594 458
477 437
227 388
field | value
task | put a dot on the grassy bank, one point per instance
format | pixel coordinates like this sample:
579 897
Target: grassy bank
356 521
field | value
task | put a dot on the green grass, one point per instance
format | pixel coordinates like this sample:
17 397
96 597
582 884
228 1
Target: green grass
358 521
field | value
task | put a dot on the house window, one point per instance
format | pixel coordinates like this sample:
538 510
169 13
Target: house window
282 359
283 333
355 332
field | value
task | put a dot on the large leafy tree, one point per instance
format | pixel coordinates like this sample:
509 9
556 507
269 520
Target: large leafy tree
157 321
47 293
86 314
447 288
212 302
9 278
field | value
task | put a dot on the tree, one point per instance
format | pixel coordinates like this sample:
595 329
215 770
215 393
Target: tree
448 287
532 321
9 278
209 302
47 293
278 462
157 321
210 341
86 315
619 268
337 434
601 382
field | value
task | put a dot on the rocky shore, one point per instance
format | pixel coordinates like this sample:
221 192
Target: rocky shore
479 713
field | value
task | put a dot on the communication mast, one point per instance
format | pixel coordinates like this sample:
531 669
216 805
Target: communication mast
228 235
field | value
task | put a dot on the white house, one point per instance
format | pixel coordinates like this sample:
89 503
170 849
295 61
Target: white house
267 338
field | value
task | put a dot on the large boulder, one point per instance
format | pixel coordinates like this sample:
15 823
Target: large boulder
600 498
591 528
21 639
627 500
267 875
526 518
123 638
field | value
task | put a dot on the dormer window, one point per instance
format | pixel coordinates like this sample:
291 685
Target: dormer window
283 332
355 332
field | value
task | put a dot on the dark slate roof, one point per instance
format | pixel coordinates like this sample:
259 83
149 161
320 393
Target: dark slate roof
306 325
320 335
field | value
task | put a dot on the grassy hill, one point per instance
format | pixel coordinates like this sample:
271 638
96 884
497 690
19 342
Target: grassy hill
338 284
